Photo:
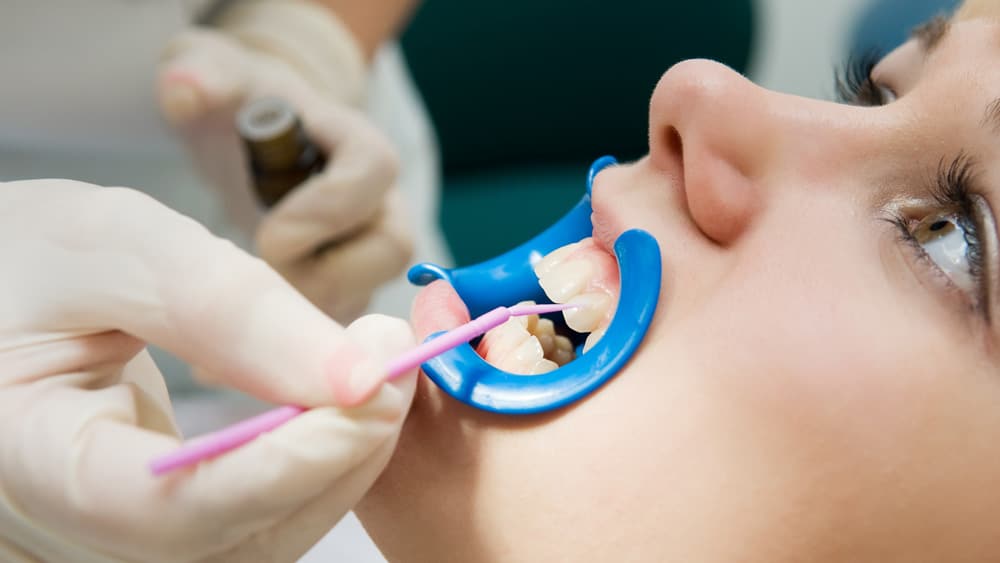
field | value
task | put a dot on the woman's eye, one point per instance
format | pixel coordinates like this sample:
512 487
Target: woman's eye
856 86
944 241
884 94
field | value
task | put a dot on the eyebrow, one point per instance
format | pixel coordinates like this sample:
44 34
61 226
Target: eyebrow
931 32
991 116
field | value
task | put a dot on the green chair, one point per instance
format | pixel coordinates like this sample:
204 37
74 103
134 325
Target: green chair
524 94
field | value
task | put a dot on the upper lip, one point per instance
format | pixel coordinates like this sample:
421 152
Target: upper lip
609 199
607 226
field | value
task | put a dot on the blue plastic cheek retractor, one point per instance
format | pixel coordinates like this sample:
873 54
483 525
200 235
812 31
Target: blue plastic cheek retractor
510 278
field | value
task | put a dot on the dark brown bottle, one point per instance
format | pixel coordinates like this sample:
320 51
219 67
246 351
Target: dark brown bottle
281 155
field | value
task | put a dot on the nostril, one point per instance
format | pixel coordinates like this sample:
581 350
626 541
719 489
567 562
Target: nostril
666 148
675 144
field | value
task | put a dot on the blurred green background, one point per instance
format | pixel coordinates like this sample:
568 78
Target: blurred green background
525 94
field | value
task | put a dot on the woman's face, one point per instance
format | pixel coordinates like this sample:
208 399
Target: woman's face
817 385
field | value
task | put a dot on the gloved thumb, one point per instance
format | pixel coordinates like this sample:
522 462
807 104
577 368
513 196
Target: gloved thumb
202 73
381 338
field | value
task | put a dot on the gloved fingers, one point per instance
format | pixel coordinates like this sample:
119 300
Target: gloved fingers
202 81
294 535
341 280
152 397
315 468
49 429
381 337
203 72
362 167
206 76
100 492
78 460
120 260
321 450
82 358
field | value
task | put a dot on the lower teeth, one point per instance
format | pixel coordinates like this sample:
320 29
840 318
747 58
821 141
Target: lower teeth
506 346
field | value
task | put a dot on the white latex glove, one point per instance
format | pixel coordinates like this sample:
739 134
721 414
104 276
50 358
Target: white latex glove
90 275
298 51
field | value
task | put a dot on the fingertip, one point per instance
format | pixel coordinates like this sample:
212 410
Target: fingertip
358 369
181 96
200 77
358 385
348 375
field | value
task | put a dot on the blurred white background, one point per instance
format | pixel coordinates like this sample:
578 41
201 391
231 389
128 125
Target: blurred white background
801 42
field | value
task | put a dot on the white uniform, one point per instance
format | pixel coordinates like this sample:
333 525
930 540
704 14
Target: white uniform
77 101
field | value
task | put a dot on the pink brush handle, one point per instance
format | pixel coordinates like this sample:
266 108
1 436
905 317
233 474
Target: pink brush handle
464 333
242 432
223 440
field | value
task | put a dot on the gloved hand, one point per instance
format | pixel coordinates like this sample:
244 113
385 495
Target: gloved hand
298 51
90 275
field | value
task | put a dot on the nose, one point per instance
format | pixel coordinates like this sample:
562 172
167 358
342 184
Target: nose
723 135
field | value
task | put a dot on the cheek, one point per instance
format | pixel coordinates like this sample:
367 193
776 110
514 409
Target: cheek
809 328
857 393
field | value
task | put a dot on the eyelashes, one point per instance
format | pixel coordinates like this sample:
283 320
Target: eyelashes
953 195
853 80
952 191
953 185
954 188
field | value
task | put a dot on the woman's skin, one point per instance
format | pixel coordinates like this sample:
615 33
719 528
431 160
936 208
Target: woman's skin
813 387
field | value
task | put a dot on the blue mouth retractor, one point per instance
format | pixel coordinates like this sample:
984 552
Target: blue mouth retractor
510 278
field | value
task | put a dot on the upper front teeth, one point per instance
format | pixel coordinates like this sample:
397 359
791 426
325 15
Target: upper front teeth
593 306
577 274
554 258
567 280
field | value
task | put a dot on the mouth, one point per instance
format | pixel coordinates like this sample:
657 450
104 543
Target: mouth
534 365
582 274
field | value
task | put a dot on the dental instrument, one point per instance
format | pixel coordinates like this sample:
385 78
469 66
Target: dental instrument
242 432
510 278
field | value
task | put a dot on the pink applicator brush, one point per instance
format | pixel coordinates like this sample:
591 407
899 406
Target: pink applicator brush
240 433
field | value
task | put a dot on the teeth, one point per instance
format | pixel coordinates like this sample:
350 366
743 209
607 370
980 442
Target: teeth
545 332
563 352
502 340
553 259
521 345
593 307
527 353
529 322
515 348
544 366
593 338
510 347
568 280
578 273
